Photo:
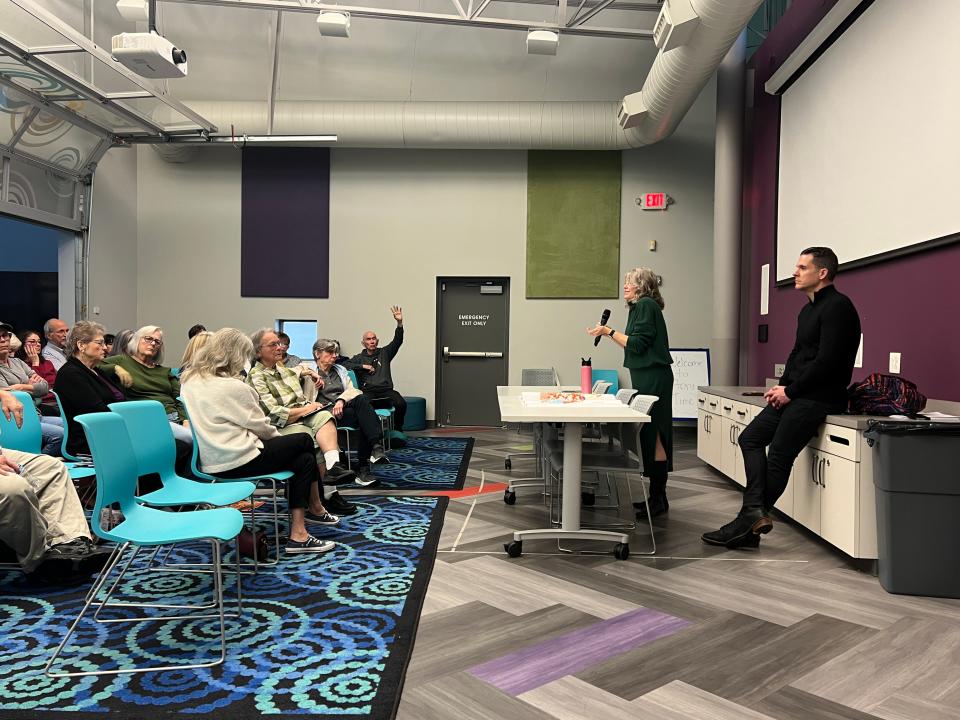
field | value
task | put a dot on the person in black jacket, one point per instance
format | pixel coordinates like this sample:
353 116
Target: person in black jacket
82 389
373 370
814 384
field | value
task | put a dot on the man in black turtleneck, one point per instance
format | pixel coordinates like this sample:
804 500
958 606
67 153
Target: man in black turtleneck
814 384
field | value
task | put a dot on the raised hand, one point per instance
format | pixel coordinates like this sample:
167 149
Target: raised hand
397 313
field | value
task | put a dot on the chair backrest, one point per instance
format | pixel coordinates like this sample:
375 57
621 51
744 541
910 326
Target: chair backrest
624 395
28 437
353 378
610 376
149 429
66 432
116 463
538 376
643 403
195 457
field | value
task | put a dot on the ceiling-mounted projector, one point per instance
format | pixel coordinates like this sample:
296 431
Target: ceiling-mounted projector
334 24
542 42
150 55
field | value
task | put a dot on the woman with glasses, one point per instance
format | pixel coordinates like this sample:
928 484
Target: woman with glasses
30 353
288 360
143 376
15 374
81 385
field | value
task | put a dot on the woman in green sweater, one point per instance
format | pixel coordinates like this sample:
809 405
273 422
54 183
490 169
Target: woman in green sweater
646 354
144 377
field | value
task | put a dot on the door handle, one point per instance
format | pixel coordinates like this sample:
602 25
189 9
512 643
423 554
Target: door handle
813 469
824 464
448 353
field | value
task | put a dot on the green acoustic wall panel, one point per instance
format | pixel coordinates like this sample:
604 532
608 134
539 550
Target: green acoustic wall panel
573 224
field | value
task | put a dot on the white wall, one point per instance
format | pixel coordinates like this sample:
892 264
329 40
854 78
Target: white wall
112 273
399 219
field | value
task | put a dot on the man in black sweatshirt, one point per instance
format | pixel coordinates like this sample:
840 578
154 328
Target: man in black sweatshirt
814 384
373 370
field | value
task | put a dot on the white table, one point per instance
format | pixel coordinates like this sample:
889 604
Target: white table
572 415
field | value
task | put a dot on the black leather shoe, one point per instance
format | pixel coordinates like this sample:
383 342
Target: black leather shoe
735 533
338 475
658 506
378 455
337 505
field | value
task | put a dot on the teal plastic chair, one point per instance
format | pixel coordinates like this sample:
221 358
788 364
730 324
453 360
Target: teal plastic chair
143 526
269 480
29 437
385 414
156 450
610 376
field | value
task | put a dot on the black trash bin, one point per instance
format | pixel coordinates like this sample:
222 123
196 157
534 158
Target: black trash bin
916 472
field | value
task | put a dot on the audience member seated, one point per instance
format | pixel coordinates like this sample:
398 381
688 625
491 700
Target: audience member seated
237 440
120 343
56 331
143 376
284 403
349 407
288 360
15 374
30 353
41 518
195 330
193 347
81 384
108 343
373 370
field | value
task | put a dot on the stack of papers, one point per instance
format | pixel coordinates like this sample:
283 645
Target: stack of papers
932 416
567 398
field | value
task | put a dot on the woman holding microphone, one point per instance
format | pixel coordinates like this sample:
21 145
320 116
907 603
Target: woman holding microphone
646 354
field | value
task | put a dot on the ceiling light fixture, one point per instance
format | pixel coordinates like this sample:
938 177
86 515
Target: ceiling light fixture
542 42
334 24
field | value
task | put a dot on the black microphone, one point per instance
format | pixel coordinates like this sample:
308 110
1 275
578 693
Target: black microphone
603 321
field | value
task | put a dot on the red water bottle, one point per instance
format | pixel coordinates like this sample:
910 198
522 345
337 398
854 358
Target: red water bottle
586 375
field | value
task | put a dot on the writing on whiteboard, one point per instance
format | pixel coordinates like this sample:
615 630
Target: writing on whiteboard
691 369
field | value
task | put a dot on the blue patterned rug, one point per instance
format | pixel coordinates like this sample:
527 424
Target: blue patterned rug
425 463
327 636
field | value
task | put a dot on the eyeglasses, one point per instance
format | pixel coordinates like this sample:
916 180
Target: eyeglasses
32 342
4 336
281 343
101 342
274 344
152 340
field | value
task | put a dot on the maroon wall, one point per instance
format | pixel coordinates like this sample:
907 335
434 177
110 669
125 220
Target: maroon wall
909 305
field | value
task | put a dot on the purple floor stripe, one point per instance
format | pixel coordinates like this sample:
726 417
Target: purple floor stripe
568 654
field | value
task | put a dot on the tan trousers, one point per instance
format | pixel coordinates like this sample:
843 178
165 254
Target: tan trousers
39 507
309 425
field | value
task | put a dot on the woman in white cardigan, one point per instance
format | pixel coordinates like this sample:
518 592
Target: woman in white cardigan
236 440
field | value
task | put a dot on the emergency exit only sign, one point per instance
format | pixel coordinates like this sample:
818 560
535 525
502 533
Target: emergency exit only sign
654 201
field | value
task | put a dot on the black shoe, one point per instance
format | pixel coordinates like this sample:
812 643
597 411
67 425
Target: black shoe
76 549
750 541
365 478
338 475
378 455
735 533
658 506
337 505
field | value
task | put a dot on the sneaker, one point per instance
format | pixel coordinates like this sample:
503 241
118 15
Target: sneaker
366 478
378 455
335 503
338 474
310 545
324 518
75 549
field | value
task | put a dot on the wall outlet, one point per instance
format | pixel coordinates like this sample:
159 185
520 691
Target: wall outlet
653 245
778 369
895 362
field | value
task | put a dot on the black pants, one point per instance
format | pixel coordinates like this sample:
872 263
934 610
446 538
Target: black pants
287 452
786 432
360 415
384 398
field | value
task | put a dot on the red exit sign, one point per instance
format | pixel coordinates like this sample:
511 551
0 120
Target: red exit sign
654 201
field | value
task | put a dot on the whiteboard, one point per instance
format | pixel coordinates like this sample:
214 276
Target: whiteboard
691 369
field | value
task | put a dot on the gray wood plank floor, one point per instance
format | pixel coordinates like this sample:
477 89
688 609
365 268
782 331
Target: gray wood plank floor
791 631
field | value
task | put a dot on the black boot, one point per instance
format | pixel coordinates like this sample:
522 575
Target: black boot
658 492
743 532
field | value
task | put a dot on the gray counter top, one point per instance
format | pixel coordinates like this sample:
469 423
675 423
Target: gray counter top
736 392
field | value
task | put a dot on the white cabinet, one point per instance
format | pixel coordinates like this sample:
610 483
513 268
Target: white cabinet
830 490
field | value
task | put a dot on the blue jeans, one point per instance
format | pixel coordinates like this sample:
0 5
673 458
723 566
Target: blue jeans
52 436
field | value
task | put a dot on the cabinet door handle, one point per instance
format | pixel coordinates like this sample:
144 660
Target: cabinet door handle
700 400
824 463
741 413
813 469
728 408
713 404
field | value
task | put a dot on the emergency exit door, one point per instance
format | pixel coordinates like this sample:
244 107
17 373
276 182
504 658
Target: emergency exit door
472 332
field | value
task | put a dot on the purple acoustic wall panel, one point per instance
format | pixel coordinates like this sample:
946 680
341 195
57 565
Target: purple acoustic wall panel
907 305
285 223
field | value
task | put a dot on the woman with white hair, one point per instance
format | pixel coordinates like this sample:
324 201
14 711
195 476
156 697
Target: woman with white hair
237 440
646 355
143 376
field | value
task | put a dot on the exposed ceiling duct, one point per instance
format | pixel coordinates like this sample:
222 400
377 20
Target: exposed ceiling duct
671 87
